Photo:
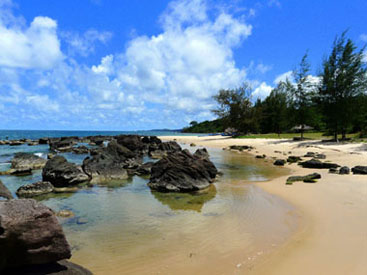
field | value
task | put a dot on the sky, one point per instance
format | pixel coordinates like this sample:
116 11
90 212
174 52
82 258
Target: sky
139 65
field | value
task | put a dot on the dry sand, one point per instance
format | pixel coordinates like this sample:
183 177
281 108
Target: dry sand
333 237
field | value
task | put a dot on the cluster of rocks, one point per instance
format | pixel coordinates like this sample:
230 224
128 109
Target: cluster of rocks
311 178
31 239
241 147
177 170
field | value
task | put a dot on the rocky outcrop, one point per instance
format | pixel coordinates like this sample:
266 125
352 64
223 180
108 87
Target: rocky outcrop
30 235
360 170
144 169
202 153
163 149
4 192
80 150
316 164
61 173
132 142
22 161
64 144
110 163
35 189
182 172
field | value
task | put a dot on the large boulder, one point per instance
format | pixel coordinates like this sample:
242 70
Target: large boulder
317 164
23 161
4 192
30 234
361 170
35 189
64 144
133 142
108 164
182 172
158 151
62 173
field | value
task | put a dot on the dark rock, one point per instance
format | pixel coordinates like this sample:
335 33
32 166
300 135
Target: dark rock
43 141
15 143
27 161
240 147
107 164
320 156
260 156
35 189
361 170
163 149
182 172
201 153
310 155
20 172
345 170
279 162
4 192
309 178
64 144
58 268
144 169
62 173
80 150
133 142
30 234
293 159
333 171
314 163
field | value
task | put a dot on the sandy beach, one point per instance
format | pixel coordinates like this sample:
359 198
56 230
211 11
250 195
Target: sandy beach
333 235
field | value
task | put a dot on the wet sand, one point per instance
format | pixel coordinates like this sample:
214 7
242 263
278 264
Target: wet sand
333 236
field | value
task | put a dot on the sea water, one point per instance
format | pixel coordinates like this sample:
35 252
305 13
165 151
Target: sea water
125 228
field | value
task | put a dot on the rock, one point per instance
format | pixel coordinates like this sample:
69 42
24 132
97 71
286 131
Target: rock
345 170
30 235
50 155
15 143
309 178
320 156
65 214
240 147
279 162
293 159
4 192
182 172
192 144
43 141
333 171
58 268
62 173
314 163
32 143
144 169
65 189
109 164
80 150
20 172
260 156
132 142
201 153
65 144
35 189
161 150
310 155
361 170
27 161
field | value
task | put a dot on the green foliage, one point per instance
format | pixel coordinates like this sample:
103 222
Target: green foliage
214 126
343 82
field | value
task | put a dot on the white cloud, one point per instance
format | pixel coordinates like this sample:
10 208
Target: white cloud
261 92
34 47
263 68
363 37
283 77
43 103
85 44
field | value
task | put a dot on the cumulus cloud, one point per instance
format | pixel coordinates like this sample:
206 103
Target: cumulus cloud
84 44
36 46
363 37
261 92
283 77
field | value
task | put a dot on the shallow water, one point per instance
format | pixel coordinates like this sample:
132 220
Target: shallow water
124 228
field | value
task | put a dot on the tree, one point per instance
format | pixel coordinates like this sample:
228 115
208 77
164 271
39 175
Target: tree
301 94
344 79
275 110
193 123
234 107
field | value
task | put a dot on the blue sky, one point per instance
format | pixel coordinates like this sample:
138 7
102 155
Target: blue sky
129 65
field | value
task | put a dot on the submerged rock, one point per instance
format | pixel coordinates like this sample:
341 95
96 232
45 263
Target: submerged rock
30 235
182 172
311 178
35 189
62 173
4 192
23 161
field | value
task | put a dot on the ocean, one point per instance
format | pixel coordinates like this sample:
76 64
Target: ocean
35 134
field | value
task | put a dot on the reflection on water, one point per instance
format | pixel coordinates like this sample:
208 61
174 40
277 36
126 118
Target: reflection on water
186 201
124 228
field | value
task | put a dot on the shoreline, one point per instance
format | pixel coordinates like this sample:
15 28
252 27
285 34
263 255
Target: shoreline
332 238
